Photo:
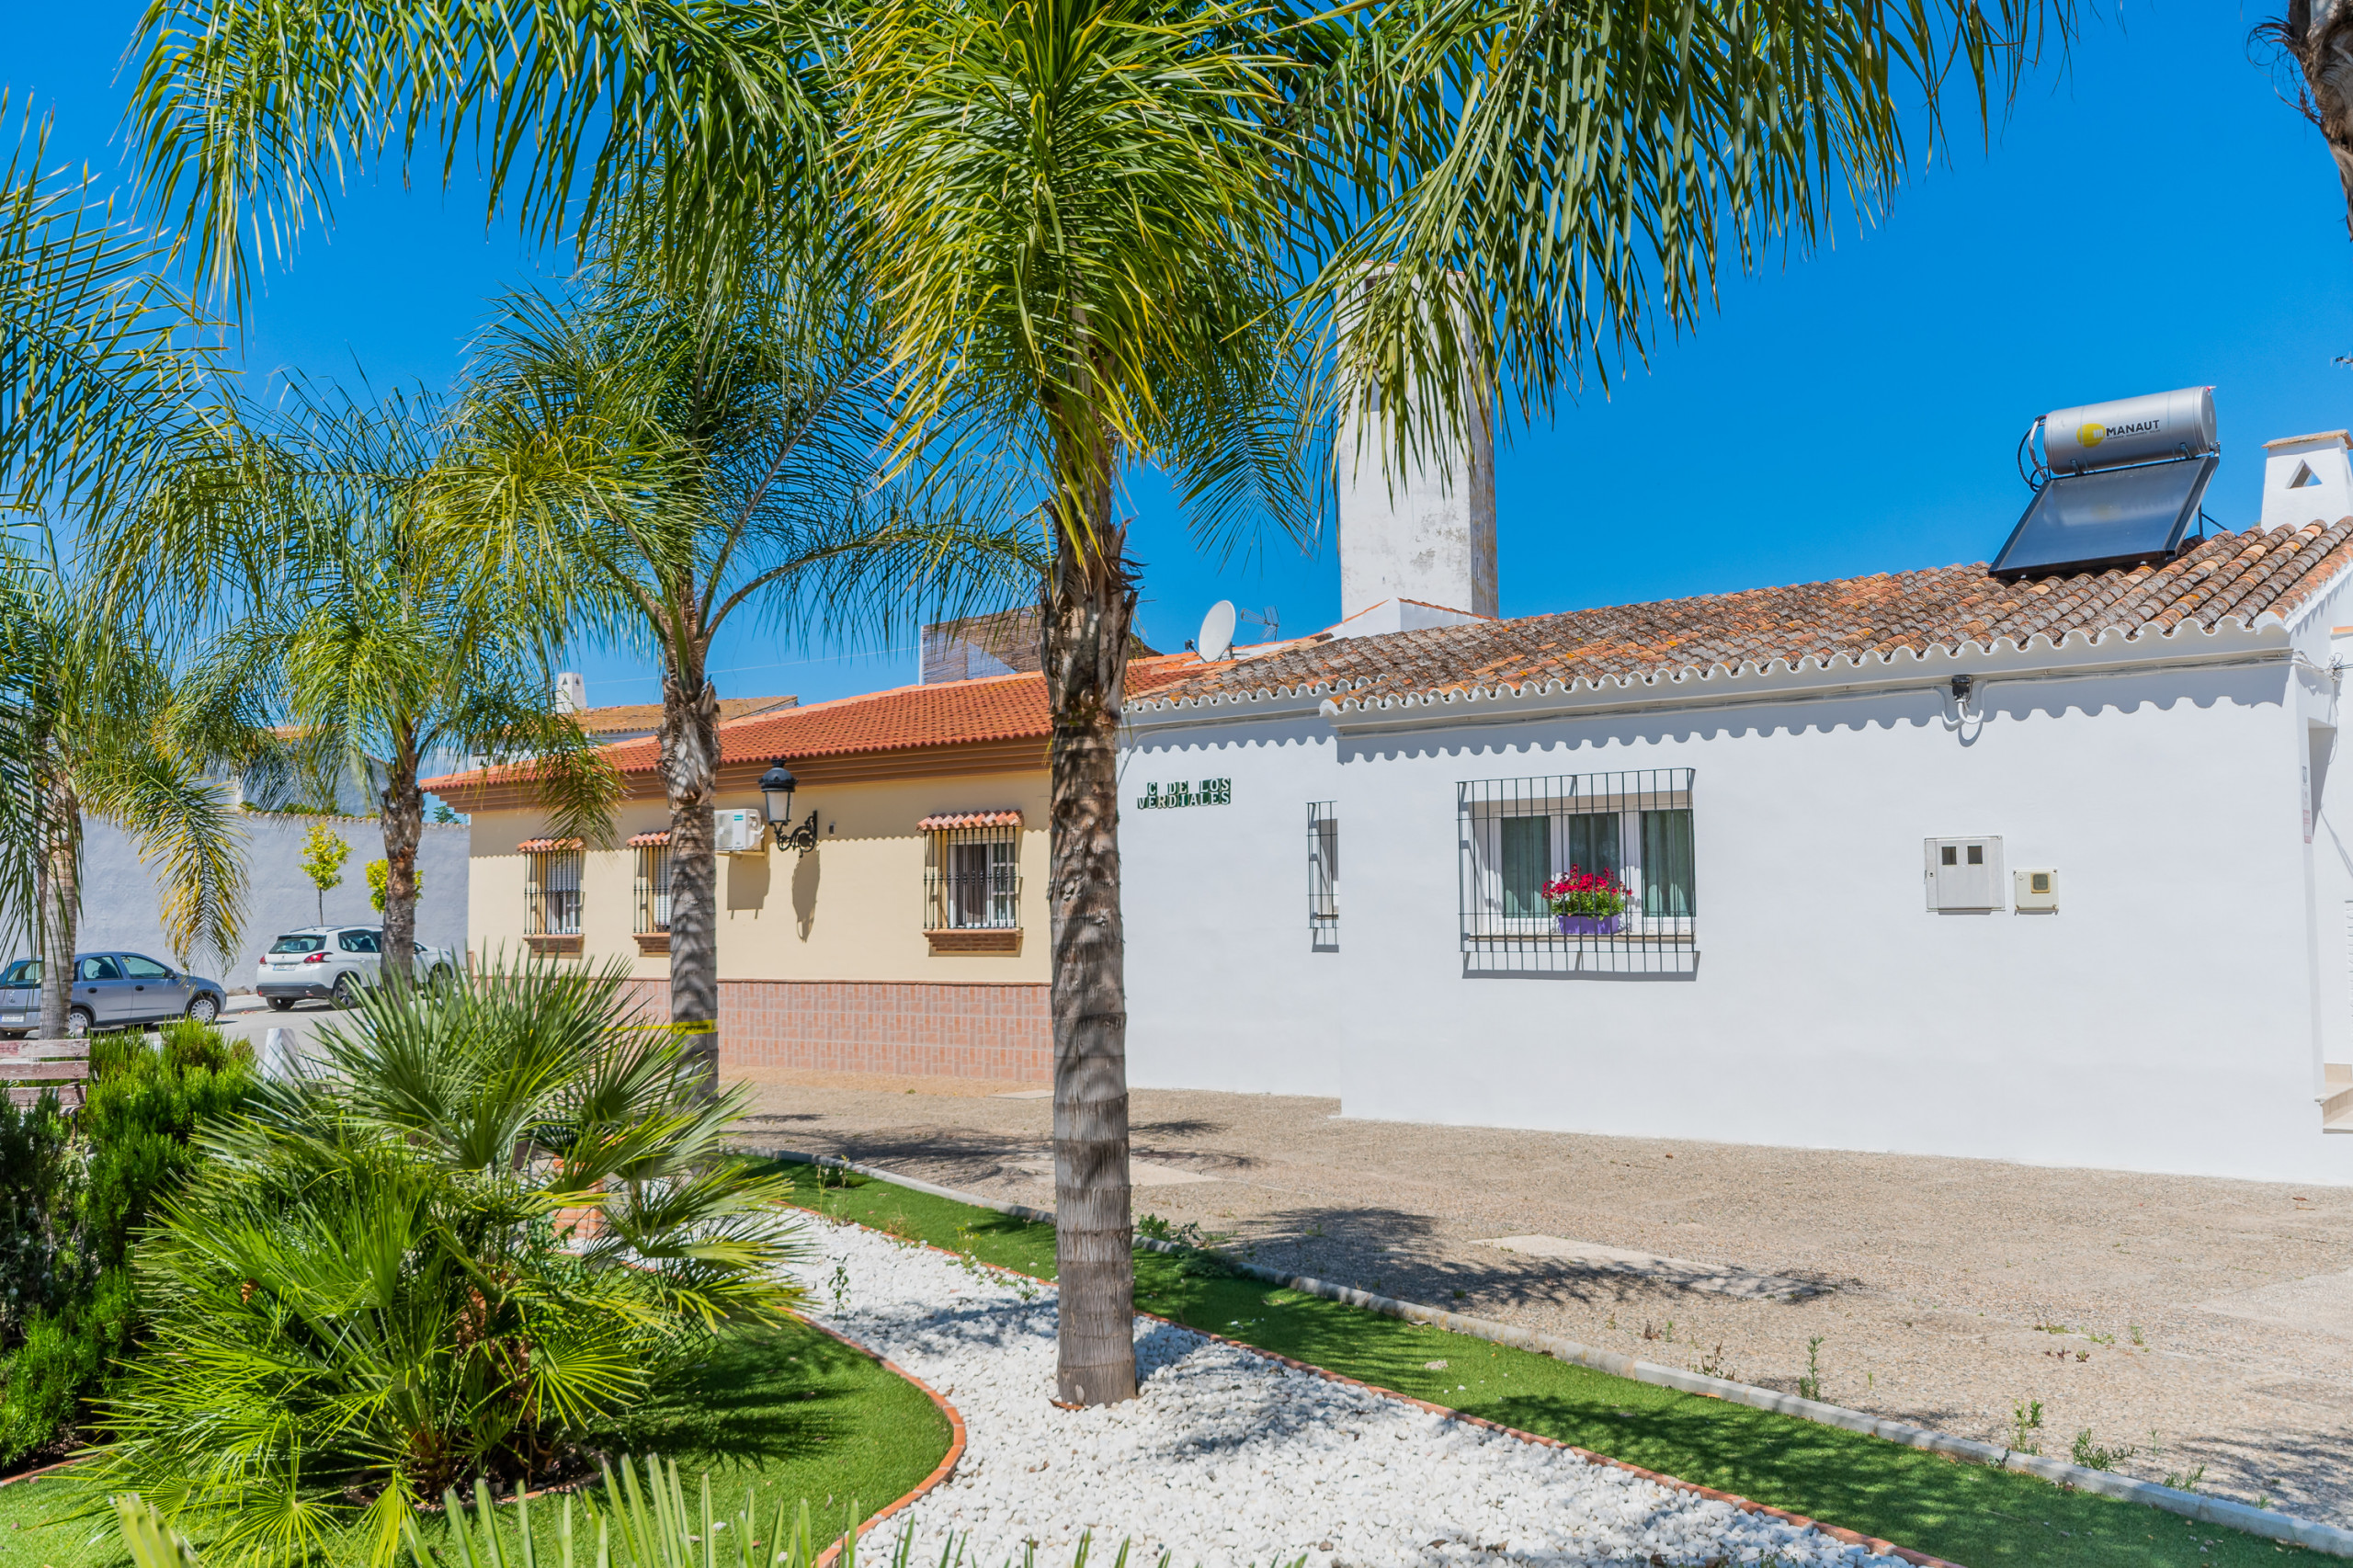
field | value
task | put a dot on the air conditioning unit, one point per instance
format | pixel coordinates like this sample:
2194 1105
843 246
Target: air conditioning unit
740 833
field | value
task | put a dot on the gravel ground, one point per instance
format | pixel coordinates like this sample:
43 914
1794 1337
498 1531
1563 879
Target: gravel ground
2201 1322
1227 1458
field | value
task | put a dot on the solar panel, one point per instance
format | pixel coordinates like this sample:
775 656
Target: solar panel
2117 517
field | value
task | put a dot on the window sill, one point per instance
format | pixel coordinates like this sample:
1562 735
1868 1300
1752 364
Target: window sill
974 939
1553 936
560 945
651 942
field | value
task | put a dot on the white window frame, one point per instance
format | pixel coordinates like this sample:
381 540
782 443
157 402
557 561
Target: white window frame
1625 795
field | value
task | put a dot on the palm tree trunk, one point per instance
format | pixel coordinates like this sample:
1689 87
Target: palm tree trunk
690 775
60 904
401 808
1089 606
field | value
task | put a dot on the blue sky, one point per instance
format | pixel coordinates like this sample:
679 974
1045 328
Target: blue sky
2157 217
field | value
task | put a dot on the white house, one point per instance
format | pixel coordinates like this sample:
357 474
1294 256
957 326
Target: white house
2055 868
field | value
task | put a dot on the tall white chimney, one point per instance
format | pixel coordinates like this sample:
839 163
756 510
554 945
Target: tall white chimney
571 693
1429 534
1417 533
2307 479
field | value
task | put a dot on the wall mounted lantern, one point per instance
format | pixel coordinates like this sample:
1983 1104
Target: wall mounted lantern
776 788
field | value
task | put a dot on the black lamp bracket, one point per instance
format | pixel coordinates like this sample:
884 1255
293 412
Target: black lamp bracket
803 838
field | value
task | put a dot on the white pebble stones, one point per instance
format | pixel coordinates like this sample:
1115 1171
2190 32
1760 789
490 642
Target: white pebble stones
1227 1458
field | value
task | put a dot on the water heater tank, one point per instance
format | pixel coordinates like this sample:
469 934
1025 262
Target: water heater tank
2130 430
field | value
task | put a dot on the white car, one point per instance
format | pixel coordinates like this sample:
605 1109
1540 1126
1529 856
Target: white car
330 963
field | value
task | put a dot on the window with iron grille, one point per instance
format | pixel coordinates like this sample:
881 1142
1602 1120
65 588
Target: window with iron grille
551 893
651 889
972 879
1579 871
1324 872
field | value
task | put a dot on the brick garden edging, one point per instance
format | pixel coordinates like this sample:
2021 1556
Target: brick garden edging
1745 1505
2311 1534
34 1474
947 1466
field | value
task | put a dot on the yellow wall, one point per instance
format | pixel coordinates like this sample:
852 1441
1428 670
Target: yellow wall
851 909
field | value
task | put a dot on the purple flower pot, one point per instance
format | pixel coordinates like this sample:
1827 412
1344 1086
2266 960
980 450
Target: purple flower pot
1589 924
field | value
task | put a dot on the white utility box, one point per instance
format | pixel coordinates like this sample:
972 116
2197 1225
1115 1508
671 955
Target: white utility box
2035 892
1964 874
739 833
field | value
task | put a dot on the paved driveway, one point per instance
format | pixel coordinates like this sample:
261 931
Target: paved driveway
2200 1322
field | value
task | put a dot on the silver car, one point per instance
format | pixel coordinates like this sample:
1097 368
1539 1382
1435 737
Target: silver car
330 963
110 990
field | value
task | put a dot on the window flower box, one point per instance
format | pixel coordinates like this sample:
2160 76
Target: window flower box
1587 904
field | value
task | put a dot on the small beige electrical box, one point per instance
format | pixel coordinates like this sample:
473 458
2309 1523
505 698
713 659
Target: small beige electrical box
2035 892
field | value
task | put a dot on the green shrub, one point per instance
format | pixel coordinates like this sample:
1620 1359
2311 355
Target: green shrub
145 1106
37 1179
363 1296
74 1193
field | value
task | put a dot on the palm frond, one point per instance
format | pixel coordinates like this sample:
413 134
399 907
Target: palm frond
700 122
100 367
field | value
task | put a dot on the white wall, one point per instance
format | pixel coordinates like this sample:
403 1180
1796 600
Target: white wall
2162 1020
119 899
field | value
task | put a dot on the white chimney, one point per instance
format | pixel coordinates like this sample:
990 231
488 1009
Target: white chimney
1425 536
1430 535
571 693
2307 479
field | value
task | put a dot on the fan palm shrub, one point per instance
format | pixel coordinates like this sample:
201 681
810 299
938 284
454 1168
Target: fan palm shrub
632 1524
365 1299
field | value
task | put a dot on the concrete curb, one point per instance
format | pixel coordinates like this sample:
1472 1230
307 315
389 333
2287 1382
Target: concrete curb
2309 1533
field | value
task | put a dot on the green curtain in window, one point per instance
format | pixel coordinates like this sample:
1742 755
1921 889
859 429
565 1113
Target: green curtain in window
1666 864
1593 843
1527 864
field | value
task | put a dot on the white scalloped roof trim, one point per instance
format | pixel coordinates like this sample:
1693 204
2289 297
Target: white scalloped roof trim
2076 642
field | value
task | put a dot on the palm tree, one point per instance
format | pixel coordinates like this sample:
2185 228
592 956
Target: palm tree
312 539
1111 232
108 734
97 379
657 465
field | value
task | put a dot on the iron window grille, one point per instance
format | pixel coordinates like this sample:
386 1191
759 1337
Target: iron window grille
1633 829
552 895
651 889
1323 873
972 879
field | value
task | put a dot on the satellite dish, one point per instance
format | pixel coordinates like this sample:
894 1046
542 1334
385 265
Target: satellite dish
1216 639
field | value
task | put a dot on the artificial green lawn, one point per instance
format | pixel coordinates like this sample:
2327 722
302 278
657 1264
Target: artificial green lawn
791 1412
1967 1513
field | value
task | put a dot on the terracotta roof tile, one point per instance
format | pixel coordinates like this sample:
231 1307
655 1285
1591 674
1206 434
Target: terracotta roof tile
634 716
2242 574
650 840
998 708
541 845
